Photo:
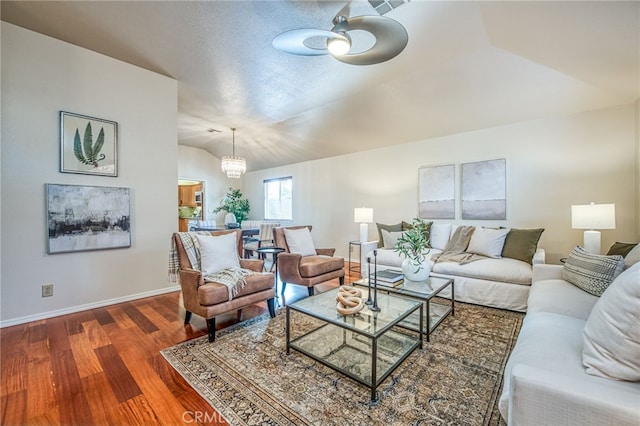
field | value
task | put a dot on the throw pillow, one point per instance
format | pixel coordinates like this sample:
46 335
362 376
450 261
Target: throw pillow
440 233
300 241
390 238
460 239
622 249
633 257
391 228
218 252
427 231
591 272
611 339
488 242
522 244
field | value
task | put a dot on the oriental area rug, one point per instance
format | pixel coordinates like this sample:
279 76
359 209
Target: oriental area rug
456 379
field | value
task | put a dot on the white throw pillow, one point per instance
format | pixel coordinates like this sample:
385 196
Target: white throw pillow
632 257
218 252
612 333
300 241
390 238
488 242
440 233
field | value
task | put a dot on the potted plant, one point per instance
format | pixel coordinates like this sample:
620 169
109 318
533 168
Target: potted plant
414 245
234 203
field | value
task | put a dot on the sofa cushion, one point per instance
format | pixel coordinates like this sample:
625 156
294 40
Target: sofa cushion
502 270
440 233
212 293
397 227
612 332
218 252
560 297
312 266
591 272
487 242
300 241
522 244
549 341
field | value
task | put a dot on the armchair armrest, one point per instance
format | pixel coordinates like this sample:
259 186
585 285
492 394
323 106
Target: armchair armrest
326 251
289 267
542 397
254 265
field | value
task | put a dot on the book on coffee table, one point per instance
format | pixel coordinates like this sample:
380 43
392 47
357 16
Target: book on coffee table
389 277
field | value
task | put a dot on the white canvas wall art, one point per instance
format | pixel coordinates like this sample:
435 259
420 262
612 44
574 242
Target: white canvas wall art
436 199
484 190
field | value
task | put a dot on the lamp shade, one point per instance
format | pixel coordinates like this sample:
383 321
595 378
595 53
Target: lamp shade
362 215
593 216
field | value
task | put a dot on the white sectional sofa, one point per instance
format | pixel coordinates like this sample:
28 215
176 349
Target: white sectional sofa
496 282
546 380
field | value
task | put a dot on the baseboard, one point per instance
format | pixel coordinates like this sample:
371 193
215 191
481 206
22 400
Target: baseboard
79 308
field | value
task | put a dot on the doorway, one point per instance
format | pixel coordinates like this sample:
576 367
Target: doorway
190 202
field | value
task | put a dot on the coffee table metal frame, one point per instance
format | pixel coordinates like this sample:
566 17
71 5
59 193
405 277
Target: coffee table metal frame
375 327
424 291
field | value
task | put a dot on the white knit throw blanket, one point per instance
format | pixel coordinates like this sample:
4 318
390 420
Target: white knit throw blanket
233 278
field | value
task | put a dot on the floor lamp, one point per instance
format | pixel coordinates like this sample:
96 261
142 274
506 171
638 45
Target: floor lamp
363 216
591 217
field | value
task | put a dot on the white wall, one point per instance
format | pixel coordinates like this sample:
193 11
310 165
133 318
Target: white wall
551 164
198 164
40 77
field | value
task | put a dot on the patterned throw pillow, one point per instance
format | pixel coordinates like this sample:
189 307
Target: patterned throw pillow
591 272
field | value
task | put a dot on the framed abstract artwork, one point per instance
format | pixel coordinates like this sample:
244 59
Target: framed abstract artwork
436 192
88 145
484 190
81 218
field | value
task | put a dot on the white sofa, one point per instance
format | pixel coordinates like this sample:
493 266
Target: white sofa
500 283
545 381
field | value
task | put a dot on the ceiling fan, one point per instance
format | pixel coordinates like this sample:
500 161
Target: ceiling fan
390 39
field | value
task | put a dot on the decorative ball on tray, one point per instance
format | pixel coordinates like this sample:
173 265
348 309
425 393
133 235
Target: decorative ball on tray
349 300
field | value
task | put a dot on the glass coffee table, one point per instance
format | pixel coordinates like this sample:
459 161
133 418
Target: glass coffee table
424 291
366 347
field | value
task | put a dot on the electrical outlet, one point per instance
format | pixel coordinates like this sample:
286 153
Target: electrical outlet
47 290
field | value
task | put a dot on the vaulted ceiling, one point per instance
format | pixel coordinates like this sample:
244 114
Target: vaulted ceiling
467 66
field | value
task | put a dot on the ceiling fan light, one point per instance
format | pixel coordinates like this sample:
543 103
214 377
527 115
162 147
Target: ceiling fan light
339 45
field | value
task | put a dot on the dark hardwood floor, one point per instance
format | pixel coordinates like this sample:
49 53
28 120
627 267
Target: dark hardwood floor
103 366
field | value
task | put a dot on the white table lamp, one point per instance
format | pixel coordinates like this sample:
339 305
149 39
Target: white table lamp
363 216
593 216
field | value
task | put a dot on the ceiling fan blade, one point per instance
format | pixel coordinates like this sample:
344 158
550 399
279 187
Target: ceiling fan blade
293 41
391 39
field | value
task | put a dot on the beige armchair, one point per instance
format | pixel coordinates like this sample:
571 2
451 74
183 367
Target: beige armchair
306 270
210 299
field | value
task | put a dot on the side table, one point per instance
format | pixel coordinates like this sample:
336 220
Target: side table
273 251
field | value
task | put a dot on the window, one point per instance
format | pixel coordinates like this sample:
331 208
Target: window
277 198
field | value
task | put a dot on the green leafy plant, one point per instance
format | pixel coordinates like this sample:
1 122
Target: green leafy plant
234 203
414 244
87 152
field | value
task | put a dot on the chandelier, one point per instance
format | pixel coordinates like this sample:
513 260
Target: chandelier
234 166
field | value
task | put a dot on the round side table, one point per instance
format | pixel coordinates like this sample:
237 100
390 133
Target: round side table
273 251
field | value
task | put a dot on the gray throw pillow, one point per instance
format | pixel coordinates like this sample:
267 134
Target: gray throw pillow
391 228
591 272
